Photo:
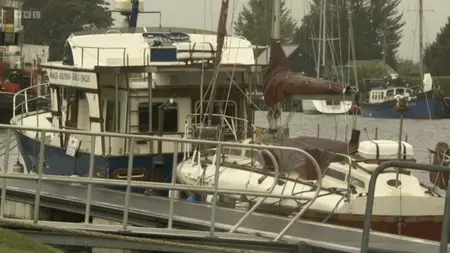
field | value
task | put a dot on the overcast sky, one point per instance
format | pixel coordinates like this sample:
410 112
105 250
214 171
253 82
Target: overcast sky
203 14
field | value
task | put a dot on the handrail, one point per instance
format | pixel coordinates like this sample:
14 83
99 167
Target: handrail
272 187
190 121
371 197
138 184
124 49
25 102
113 30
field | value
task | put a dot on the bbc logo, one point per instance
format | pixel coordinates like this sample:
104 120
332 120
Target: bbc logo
31 14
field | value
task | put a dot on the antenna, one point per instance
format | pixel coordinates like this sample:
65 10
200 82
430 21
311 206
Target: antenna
131 9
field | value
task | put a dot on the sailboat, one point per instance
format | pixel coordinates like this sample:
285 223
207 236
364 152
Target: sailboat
346 169
324 106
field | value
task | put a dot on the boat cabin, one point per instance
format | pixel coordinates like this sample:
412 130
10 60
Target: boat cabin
380 95
149 82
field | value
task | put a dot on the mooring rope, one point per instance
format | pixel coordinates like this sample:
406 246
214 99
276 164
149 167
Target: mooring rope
161 242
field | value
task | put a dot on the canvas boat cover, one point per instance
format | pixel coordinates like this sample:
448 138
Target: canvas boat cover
279 82
324 152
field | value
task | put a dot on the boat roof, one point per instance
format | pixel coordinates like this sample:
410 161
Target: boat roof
390 87
129 47
141 30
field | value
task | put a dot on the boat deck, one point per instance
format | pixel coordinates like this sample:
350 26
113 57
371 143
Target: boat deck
64 196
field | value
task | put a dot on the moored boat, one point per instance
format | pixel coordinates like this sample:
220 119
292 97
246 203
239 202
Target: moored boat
422 104
399 195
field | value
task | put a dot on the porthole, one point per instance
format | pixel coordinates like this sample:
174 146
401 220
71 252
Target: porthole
394 182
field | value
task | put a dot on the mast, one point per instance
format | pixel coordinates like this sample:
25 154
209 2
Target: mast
324 35
134 14
221 33
274 111
352 45
421 39
276 20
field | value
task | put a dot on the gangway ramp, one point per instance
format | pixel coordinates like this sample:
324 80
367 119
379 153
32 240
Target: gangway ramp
141 207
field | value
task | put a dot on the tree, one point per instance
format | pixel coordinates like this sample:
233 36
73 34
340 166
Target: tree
60 18
408 68
366 30
255 22
436 55
387 21
337 32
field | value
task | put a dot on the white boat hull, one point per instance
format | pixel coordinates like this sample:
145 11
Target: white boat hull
321 107
406 200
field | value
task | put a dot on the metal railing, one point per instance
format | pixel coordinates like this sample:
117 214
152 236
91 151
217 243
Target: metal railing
128 183
24 105
371 197
84 49
230 122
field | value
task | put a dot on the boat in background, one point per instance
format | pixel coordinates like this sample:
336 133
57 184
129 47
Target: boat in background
19 63
424 103
327 107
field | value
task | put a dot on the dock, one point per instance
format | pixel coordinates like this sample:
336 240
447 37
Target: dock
166 224
108 204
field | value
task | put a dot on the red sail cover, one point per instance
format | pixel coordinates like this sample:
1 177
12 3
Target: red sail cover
279 82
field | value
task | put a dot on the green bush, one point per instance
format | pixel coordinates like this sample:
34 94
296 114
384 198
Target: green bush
443 81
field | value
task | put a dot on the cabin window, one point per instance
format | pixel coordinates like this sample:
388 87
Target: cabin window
389 93
170 123
110 119
8 16
332 102
357 182
232 151
399 91
219 109
250 153
335 174
68 55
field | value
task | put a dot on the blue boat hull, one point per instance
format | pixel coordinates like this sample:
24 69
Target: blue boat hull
420 108
57 162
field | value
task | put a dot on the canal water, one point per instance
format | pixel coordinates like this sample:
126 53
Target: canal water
421 134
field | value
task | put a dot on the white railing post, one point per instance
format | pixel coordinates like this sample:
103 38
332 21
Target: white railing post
26 102
5 171
91 174
129 175
39 182
216 188
174 181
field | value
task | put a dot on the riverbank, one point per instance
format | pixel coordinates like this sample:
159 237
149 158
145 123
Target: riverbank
13 242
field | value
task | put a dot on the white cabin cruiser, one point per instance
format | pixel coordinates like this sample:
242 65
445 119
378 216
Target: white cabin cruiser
107 82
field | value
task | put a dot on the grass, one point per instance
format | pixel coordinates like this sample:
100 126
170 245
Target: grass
12 242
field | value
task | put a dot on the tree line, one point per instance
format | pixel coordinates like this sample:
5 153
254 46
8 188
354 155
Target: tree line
375 23
60 18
